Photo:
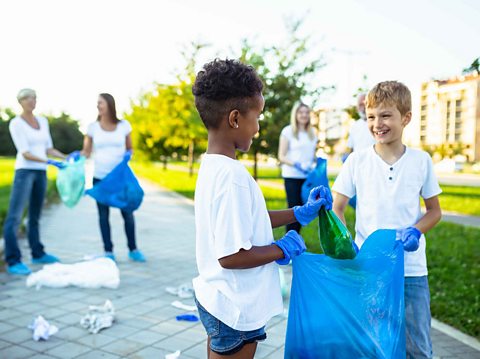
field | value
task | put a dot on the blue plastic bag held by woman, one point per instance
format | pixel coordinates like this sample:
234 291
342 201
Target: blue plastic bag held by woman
351 308
315 178
71 182
119 189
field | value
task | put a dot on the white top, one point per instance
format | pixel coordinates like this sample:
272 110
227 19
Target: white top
108 146
301 149
388 196
28 139
230 215
359 136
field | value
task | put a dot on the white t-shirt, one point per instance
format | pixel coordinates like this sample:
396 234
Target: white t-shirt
231 214
28 139
301 149
388 196
108 146
359 136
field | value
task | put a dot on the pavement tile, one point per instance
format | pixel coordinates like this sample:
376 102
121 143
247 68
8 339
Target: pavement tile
68 350
123 347
16 352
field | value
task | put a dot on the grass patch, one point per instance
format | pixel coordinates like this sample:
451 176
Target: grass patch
7 173
453 251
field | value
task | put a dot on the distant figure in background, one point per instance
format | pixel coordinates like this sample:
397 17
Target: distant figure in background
296 154
110 139
32 139
359 136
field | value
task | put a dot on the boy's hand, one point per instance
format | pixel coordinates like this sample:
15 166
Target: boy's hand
410 238
292 245
319 196
57 164
73 157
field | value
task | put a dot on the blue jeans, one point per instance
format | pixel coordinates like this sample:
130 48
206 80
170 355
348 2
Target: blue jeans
129 221
223 339
29 186
293 188
418 318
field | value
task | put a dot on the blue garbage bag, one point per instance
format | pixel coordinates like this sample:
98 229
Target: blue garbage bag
315 178
71 182
120 189
351 308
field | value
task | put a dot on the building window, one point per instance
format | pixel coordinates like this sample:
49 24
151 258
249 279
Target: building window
423 108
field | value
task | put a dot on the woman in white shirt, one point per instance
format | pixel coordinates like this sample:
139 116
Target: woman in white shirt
296 154
31 136
110 139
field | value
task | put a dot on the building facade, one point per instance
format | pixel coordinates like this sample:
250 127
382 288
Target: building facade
450 116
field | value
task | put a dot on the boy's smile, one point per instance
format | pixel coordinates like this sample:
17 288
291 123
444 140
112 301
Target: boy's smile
386 123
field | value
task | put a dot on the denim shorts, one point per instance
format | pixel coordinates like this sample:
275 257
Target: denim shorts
223 339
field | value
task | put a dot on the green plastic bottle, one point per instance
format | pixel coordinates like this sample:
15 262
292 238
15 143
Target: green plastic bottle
335 239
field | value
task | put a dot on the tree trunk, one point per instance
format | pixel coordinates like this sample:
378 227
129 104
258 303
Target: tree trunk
191 147
255 164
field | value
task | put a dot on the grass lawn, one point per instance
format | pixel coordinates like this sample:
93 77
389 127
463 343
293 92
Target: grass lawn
453 251
7 173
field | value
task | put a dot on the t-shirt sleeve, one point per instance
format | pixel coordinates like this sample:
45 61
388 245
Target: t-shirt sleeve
127 127
345 182
286 132
350 138
49 135
232 221
19 138
91 130
430 186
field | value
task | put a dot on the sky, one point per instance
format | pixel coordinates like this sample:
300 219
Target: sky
70 51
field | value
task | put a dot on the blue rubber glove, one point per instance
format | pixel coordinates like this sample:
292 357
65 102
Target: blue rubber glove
128 155
410 238
298 167
344 157
73 157
292 245
57 164
318 197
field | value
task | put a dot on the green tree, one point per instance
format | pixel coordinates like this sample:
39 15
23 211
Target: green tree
66 136
474 67
166 120
7 148
286 71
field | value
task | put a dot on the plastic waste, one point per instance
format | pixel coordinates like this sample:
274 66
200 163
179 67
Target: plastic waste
315 178
335 239
347 309
98 317
71 182
119 189
42 329
187 318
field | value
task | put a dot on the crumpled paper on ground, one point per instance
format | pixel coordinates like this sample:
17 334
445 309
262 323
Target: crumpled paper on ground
174 355
183 291
98 317
42 329
100 272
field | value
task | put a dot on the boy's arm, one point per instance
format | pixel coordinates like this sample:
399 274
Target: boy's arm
282 217
254 257
431 217
339 204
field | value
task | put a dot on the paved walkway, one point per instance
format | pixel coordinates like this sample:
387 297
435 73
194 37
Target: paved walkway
145 325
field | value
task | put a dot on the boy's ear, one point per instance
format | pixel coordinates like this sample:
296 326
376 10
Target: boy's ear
407 118
233 117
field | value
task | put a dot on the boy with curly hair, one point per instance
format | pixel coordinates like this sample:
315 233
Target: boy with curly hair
238 289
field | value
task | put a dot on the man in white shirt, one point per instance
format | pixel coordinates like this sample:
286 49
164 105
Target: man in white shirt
359 136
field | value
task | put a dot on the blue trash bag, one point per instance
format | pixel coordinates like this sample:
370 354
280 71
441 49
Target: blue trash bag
315 178
71 182
120 189
351 308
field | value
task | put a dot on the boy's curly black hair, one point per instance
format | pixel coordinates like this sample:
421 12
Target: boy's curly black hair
222 86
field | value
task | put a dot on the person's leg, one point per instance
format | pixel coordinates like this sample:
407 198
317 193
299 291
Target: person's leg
418 318
247 352
22 186
37 197
129 222
293 189
104 221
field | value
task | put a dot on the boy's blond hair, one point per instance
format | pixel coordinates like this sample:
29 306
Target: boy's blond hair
390 93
